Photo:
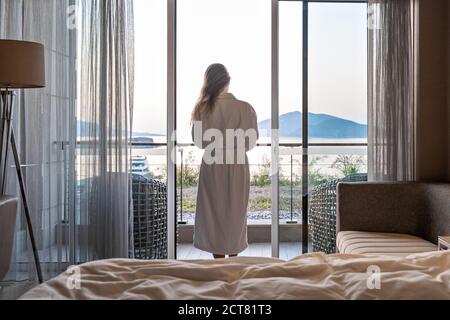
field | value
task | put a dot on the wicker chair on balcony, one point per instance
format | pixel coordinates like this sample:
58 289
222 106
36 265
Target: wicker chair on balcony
150 218
322 213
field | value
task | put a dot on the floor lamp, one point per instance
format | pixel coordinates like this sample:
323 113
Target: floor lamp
22 66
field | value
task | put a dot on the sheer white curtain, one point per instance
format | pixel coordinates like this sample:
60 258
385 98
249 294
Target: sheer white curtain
104 109
42 123
11 19
391 91
89 197
11 28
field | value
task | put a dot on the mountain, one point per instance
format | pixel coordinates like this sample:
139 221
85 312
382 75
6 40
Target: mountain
84 128
321 126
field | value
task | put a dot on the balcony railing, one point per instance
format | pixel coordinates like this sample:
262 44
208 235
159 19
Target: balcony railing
327 161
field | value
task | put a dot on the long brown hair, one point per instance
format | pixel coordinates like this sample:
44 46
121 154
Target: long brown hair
216 79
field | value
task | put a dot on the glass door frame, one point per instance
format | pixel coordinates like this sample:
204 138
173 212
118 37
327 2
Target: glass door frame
275 140
305 111
275 144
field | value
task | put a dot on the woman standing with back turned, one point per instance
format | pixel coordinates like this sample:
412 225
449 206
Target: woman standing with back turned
224 186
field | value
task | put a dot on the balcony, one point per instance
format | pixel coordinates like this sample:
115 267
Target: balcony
327 161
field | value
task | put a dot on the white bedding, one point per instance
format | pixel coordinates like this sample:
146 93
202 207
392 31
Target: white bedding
313 276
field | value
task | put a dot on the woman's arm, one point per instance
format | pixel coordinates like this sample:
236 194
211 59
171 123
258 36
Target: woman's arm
252 129
197 134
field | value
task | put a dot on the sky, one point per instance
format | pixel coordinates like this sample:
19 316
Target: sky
237 33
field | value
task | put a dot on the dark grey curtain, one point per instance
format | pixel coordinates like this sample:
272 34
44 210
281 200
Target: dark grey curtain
391 154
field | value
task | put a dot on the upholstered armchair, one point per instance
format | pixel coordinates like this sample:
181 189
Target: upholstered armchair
391 218
8 214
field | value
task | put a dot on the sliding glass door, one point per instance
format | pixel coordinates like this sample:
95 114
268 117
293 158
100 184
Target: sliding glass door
290 50
149 137
337 108
323 114
237 34
300 64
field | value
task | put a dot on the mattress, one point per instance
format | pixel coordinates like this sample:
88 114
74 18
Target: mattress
311 276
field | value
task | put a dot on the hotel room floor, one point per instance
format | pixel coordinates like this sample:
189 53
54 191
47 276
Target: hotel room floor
288 250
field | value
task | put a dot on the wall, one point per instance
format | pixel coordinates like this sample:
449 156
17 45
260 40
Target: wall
448 88
433 102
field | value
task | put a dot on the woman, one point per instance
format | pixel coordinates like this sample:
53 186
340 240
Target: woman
224 186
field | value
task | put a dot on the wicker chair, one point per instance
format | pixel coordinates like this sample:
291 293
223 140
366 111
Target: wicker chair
322 213
150 218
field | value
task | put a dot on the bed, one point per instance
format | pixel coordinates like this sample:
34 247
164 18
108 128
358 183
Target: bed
312 276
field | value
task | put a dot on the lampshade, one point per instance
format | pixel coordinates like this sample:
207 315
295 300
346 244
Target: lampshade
22 64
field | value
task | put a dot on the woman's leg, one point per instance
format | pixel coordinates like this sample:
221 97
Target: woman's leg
218 256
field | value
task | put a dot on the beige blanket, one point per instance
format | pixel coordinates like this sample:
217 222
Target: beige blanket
313 276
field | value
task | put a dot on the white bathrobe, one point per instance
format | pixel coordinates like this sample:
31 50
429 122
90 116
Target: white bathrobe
223 190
